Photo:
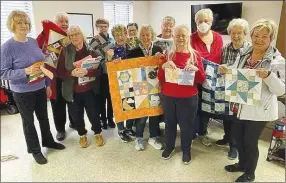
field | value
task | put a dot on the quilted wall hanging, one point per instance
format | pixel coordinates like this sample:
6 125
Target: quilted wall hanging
56 40
243 86
213 90
135 88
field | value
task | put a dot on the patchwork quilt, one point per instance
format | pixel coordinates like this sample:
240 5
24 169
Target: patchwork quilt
213 90
135 88
243 86
56 40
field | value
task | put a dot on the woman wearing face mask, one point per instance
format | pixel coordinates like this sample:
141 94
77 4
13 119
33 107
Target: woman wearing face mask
58 103
209 44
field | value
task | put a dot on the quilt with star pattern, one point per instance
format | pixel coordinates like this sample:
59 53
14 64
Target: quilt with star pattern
134 88
243 86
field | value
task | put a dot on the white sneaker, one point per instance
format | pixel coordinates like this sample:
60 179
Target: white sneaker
139 144
155 143
205 140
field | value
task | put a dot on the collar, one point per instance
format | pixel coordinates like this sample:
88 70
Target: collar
147 52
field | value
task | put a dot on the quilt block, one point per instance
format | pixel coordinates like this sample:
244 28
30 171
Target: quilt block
179 76
243 86
135 88
213 90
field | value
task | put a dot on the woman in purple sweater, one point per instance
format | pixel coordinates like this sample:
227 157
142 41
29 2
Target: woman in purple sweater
17 56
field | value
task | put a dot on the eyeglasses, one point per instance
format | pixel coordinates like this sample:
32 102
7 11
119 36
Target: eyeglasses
75 34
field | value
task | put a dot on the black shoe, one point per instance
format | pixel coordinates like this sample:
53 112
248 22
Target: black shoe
40 158
61 136
234 168
186 158
222 143
130 133
111 124
245 178
71 126
55 145
167 154
122 135
104 125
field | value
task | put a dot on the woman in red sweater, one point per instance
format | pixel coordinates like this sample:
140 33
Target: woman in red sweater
180 102
209 44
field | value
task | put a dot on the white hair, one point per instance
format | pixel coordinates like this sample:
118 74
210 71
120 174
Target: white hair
238 22
265 23
192 52
205 13
61 15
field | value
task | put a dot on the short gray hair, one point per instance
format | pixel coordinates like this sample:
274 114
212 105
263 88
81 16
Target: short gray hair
238 22
265 23
149 28
204 12
73 28
169 19
61 15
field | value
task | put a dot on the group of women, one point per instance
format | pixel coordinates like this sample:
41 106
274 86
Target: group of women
180 103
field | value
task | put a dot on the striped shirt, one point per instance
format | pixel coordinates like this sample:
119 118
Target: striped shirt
231 56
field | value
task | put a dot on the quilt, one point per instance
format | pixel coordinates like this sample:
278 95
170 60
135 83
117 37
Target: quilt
213 90
179 76
243 86
135 88
56 40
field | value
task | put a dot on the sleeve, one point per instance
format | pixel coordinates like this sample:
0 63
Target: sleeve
47 81
219 48
41 39
7 71
276 81
223 60
200 76
61 69
161 73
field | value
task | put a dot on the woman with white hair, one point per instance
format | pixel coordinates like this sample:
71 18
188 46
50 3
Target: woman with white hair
179 102
58 103
237 29
270 66
80 97
209 44
18 57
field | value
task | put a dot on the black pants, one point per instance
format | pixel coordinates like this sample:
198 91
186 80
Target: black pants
85 100
203 125
59 108
105 96
28 103
154 126
180 111
228 133
247 134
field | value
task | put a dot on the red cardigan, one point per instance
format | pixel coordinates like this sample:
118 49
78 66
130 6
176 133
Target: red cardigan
181 91
216 47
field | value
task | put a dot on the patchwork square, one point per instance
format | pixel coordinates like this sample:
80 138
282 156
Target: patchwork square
245 86
179 76
135 88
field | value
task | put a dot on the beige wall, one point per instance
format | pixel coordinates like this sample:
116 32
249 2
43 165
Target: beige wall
181 11
47 10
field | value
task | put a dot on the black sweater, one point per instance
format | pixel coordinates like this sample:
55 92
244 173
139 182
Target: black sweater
137 52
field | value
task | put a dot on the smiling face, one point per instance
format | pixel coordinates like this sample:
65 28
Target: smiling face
167 29
21 25
63 22
120 37
237 35
76 37
146 36
261 39
181 37
132 31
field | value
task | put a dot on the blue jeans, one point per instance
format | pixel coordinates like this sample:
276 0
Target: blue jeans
129 124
